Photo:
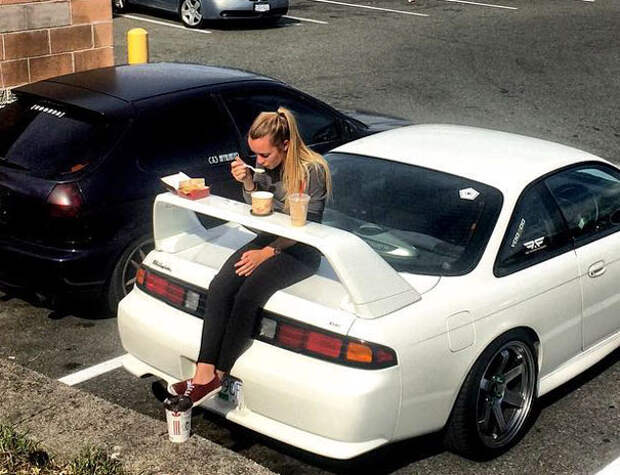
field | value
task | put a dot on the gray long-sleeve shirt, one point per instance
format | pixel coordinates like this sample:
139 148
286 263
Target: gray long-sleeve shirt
271 181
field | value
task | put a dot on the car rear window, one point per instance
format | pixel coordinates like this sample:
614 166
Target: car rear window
419 220
50 140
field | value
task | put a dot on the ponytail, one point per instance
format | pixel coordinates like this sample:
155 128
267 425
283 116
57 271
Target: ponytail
281 126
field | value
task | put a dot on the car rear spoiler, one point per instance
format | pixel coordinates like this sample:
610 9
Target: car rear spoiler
374 288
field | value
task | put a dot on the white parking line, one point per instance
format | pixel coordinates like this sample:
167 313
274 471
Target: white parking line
92 372
612 469
171 25
483 4
402 12
305 19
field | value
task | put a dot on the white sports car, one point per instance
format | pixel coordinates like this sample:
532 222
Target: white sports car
466 272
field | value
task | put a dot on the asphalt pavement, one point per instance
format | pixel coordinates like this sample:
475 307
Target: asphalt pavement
548 69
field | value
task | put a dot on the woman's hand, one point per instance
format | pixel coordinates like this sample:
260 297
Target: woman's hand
250 260
241 173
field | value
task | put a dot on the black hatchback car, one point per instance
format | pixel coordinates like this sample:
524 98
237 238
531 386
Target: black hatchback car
81 156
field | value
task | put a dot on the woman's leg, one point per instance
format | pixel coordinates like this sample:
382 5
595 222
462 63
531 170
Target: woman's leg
220 299
274 274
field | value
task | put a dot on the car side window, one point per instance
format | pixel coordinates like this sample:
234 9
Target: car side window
589 198
316 125
536 232
188 135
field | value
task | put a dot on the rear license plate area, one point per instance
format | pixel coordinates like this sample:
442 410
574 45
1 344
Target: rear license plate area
231 392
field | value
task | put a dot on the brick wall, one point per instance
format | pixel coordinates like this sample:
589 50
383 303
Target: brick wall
45 38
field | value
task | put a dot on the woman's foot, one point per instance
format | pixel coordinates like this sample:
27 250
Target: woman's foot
196 392
177 389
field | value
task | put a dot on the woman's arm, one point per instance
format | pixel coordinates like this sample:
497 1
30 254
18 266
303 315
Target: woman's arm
241 174
250 260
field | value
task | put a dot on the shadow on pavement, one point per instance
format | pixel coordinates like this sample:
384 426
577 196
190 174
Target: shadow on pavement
579 380
383 460
81 307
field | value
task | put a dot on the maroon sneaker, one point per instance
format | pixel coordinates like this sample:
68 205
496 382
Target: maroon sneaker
177 389
199 392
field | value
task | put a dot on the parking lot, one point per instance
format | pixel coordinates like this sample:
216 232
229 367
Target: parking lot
547 69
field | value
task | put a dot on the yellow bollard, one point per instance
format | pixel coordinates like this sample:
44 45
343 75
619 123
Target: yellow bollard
137 46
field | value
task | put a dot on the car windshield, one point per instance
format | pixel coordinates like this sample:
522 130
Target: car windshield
51 140
420 221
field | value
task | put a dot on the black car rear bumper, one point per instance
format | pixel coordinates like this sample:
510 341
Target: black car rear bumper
53 271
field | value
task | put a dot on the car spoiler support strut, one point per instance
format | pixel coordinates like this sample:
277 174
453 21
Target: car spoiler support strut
375 289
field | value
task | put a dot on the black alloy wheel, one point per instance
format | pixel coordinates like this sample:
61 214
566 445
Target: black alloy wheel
496 403
124 274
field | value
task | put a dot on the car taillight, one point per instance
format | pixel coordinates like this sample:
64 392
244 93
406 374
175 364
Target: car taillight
325 345
65 200
176 293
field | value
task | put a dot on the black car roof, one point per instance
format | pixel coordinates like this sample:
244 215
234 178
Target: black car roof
109 88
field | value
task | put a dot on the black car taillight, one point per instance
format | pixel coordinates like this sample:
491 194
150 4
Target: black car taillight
172 291
318 343
65 200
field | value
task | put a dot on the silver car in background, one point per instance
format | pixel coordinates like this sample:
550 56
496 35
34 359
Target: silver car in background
194 13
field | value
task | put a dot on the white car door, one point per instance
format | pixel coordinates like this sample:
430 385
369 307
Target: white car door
537 265
589 197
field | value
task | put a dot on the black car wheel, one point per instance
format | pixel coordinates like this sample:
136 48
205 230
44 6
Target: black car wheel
191 13
496 403
124 274
119 6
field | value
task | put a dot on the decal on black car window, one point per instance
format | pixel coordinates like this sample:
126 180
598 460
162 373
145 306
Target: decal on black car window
535 245
468 194
518 234
221 158
48 110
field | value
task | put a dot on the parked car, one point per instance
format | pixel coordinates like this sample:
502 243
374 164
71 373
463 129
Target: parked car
194 13
81 156
465 273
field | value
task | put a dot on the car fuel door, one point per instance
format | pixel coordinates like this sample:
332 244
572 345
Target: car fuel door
589 197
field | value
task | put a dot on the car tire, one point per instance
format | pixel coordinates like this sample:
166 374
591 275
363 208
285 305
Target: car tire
124 274
191 13
119 6
496 404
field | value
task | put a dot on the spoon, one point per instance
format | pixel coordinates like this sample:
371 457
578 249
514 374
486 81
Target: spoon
255 170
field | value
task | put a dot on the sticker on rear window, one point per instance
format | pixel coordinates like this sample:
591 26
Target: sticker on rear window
48 110
468 194
535 245
221 158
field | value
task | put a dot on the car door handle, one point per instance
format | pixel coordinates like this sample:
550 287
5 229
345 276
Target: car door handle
597 269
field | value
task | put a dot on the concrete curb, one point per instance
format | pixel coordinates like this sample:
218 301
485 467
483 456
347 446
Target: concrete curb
64 420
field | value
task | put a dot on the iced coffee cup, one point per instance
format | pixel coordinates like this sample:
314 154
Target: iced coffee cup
298 205
262 201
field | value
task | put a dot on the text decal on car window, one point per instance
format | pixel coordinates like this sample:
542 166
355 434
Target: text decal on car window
518 234
48 110
221 158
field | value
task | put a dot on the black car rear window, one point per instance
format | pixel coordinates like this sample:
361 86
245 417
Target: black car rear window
50 140
419 220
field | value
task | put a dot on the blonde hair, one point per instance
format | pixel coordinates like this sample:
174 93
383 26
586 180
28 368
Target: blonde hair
282 126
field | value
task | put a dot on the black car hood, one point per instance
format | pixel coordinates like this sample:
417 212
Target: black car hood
377 122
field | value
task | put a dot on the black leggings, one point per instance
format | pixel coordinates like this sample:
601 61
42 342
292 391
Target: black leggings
234 301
